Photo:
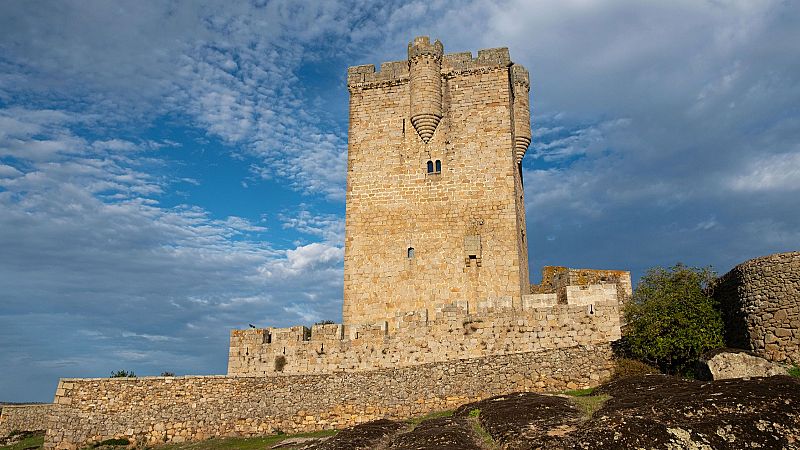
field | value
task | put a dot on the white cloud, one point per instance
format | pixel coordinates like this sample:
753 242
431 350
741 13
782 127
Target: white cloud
779 172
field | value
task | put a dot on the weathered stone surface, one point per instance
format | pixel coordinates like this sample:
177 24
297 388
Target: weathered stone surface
648 412
163 409
23 418
454 334
724 364
465 217
760 300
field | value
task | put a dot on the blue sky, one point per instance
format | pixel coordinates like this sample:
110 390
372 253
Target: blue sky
172 170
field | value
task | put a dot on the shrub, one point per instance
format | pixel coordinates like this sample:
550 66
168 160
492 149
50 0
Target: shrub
626 367
280 363
324 322
121 441
795 371
167 374
123 374
671 320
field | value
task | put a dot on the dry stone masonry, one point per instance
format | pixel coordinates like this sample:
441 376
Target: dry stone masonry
156 410
23 418
438 309
760 300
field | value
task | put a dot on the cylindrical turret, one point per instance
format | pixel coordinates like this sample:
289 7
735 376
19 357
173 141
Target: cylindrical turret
522 111
424 66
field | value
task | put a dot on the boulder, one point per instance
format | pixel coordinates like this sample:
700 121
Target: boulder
727 363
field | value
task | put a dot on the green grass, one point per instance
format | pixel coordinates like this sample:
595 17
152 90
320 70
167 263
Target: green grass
434 415
37 440
253 443
484 435
589 404
794 371
580 392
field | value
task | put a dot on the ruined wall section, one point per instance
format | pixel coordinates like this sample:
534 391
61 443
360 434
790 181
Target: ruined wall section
23 418
415 239
760 302
561 281
156 410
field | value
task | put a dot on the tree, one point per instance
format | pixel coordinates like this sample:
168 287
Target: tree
671 320
123 374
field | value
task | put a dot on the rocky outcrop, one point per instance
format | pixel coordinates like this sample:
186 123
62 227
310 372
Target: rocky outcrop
725 364
653 412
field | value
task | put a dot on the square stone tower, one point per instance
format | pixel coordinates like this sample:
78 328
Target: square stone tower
435 209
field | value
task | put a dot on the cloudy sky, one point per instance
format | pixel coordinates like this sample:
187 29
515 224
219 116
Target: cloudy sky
172 170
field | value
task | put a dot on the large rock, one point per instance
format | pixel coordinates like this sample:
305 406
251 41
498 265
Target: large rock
723 364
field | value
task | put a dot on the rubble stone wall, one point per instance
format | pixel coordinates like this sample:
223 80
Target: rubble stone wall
156 410
23 418
760 300
496 327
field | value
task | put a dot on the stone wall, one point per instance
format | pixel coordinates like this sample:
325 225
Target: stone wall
161 409
760 300
23 418
417 238
457 331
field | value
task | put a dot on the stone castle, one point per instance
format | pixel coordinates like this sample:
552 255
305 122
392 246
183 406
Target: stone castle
438 309
436 257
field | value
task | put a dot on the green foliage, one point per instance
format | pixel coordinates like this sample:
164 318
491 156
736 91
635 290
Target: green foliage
434 415
795 371
589 404
122 441
29 440
671 320
280 363
475 412
626 367
579 392
167 374
123 374
324 322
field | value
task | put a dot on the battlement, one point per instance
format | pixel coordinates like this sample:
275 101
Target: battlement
578 315
365 76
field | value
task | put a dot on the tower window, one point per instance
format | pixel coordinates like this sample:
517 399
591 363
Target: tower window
438 166
430 166
410 252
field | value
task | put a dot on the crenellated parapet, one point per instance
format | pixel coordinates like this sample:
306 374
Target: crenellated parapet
450 65
586 315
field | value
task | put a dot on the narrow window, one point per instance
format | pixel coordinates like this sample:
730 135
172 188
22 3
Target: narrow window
430 166
438 166
410 252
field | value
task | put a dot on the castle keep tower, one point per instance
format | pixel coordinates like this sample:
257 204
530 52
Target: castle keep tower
435 211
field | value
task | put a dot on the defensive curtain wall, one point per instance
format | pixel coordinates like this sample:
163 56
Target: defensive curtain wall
760 300
438 309
334 376
23 418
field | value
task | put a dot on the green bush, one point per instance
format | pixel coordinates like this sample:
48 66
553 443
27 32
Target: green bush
795 371
123 374
280 363
671 320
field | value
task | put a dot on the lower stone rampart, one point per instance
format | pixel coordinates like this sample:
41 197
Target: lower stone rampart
23 418
760 302
156 410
